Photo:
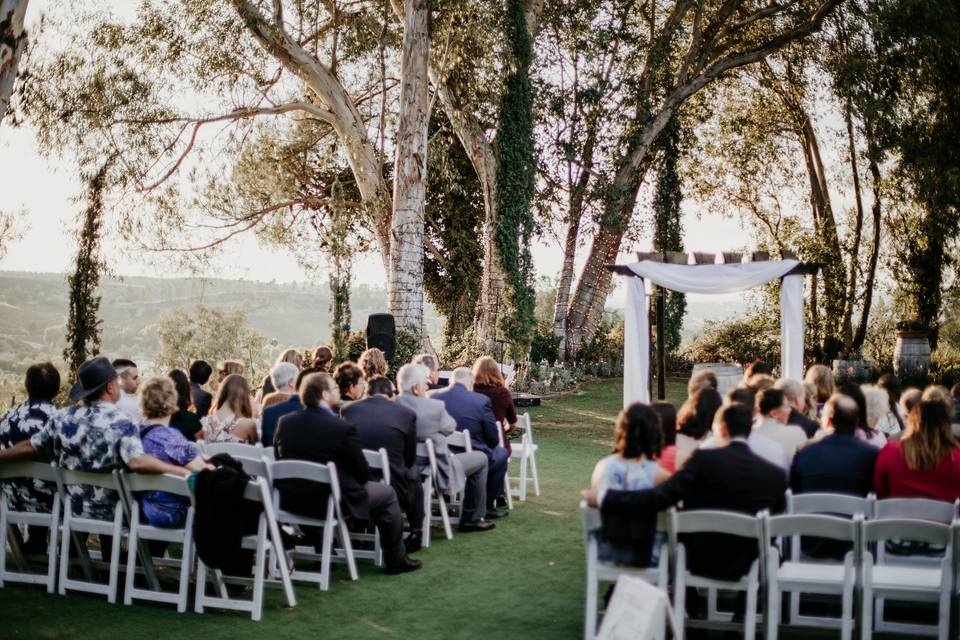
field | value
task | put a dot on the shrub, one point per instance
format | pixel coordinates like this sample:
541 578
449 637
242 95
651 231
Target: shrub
737 340
544 345
945 366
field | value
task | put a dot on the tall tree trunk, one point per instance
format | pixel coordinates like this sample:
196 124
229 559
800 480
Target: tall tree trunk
873 163
857 232
410 172
13 41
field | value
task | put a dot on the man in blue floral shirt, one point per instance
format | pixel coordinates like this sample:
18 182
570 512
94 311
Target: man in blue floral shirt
21 423
92 436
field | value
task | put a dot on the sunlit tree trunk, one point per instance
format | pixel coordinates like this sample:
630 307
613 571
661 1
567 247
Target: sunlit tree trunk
13 40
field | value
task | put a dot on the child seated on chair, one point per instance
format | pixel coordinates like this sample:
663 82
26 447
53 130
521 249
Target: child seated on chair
632 467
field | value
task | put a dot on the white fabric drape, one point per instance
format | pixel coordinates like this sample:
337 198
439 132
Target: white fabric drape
709 279
636 344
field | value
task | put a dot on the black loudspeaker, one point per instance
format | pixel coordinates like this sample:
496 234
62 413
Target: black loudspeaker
382 333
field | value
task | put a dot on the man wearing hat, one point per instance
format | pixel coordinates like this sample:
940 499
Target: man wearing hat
92 435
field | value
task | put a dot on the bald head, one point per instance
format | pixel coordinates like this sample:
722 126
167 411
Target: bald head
842 413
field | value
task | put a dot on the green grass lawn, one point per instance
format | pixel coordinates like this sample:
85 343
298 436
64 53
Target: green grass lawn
523 580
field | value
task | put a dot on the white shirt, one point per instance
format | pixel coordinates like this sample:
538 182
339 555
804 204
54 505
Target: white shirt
128 405
790 437
770 450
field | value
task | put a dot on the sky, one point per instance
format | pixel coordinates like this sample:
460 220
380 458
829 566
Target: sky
45 190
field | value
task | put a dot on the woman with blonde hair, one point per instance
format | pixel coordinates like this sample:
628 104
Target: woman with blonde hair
231 416
822 378
925 463
373 363
290 355
488 381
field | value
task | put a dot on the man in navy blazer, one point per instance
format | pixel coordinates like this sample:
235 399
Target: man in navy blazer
473 413
273 413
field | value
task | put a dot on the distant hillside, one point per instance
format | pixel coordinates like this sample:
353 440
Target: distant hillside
33 311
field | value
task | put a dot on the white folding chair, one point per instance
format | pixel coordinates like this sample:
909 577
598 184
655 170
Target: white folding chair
507 489
706 521
333 523
908 583
76 524
459 439
526 452
10 519
268 533
807 576
268 453
134 483
432 496
232 448
600 571
379 461
909 509
834 504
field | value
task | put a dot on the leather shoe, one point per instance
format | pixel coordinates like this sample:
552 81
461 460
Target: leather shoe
414 542
493 514
479 525
405 565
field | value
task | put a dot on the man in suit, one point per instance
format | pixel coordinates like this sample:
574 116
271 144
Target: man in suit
316 434
474 413
382 423
433 365
728 478
797 399
200 372
273 413
465 471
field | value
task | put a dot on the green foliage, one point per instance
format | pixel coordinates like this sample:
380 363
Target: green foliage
341 258
356 344
737 341
83 324
516 176
945 366
407 346
668 232
606 345
212 334
544 345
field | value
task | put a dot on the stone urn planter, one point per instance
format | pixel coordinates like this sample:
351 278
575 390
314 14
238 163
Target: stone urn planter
911 355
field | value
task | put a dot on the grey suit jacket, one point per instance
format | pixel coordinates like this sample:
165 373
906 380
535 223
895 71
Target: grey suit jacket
435 423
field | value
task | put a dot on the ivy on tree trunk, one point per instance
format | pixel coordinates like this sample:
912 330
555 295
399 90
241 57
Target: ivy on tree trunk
341 259
668 233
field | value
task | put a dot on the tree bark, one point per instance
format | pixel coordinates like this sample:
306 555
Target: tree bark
857 232
13 41
405 289
873 163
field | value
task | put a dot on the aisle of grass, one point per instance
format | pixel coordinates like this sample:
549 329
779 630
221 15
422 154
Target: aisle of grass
523 580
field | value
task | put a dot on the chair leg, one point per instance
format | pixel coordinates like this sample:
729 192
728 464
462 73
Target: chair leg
52 547
327 553
680 604
3 538
427 515
536 476
773 606
186 567
590 615
750 619
65 540
943 628
259 566
846 625
444 516
201 588
866 631
132 542
523 473
348 549
115 555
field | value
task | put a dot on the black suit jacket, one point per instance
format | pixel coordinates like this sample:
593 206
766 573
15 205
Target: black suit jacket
201 399
810 427
731 478
316 435
382 423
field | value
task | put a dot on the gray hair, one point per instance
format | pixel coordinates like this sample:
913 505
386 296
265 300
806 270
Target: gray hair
427 360
878 402
410 376
282 374
463 375
793 389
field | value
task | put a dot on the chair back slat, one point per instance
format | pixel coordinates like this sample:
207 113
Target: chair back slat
253 466
28 470
232 448
300 470
103 479
591 518
269 453
168 483
915 509
822 526
460 439
903 529
380 461
827 503
709 521
255 490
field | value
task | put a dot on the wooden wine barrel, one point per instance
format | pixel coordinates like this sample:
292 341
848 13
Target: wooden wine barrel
911 355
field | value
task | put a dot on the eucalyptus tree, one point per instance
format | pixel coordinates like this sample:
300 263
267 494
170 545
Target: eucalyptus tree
13 41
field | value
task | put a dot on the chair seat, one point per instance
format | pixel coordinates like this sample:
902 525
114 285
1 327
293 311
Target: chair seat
897 578
810 573
165 534
607 571
518 449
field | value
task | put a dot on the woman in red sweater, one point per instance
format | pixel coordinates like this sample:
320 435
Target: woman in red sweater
488 380
925 463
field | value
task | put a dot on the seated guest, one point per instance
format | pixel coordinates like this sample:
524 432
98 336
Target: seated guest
810 409
774 413
877 408
632 466
373 363
382 423
767 448
891 424
694 422
755 368
316 434
760 382
289 355
227 368
185 420
667 414
349 379
158 402
908 400
729 478
864 431
432 365
21 423
701 380
939 393
283 376
473 413
231 417
322 357
200 372
925 463
839 462
129 383
821 376
797 400
464 471
94 436
271 414
488 381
